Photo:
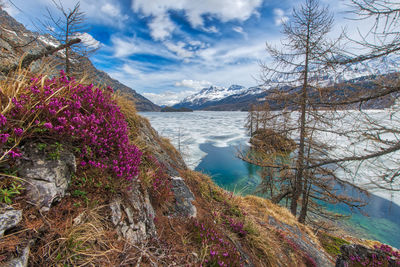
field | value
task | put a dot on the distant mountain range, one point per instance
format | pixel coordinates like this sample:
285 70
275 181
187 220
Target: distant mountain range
16 40
352 78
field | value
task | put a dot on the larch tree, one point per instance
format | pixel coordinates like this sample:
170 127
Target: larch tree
70 24
288 129
377 133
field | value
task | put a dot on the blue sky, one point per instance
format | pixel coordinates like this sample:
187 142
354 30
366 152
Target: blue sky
168 49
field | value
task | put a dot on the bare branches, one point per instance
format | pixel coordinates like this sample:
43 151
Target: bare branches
28 59
69 25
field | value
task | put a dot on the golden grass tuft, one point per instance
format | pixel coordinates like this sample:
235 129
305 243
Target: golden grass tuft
262 240
85 242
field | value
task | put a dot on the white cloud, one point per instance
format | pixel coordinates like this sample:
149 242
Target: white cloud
238 29
229 53
88 40
279 16
123 47
111 10
167 98
179 49
211 29
131 71
161 27
197 85
225 10
195 43
241 31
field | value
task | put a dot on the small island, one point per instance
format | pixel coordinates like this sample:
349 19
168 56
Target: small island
171 109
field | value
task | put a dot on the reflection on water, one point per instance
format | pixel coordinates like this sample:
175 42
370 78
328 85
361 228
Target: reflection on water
233 174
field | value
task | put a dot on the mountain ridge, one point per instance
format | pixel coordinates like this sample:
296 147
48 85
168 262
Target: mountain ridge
219 98
16 41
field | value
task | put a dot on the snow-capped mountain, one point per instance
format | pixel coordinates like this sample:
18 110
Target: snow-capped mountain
209 95
237 97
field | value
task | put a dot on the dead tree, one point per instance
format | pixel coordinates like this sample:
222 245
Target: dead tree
29 58
69 25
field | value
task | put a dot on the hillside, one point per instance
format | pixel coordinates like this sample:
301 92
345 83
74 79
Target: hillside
86 181
75 191
16 40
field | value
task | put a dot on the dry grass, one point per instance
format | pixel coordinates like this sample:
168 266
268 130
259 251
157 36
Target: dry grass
83 241
262 242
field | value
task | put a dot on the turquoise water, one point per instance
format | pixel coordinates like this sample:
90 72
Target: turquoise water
208 142
233 174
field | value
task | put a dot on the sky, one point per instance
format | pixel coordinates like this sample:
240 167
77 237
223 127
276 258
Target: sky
169 49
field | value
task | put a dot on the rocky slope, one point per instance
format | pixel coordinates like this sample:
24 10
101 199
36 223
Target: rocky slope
59 210
16 40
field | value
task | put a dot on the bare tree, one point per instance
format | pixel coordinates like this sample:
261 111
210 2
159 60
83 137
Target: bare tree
377 133
289 139
69 25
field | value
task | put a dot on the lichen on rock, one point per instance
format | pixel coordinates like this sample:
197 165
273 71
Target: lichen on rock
46 180
134 216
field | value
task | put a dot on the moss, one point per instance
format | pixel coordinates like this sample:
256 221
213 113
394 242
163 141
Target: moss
217 196
234 210
332 244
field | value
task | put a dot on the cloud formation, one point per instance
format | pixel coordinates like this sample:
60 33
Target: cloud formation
168 98
280 17
197 85
225 10
88 40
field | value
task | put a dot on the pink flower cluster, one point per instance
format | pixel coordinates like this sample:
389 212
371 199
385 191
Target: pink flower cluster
385 256
222 253
235 225
82 116
308 260
160 190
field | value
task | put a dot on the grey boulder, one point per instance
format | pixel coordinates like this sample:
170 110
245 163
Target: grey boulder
46 179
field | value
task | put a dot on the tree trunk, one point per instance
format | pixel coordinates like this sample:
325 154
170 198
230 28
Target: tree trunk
67 69
300 157
304 203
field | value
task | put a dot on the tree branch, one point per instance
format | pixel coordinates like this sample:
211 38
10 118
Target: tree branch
28 59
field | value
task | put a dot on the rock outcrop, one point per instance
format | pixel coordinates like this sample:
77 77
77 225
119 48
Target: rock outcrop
133 216
21 261
167 156
183 198
359 255
46 180
300 239
9 218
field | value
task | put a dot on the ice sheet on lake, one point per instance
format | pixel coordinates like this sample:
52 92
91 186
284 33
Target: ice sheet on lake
191 129
188 130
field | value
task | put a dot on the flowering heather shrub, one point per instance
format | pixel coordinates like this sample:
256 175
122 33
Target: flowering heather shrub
219 251
160 188
236 225
80 115
307 259
386 256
